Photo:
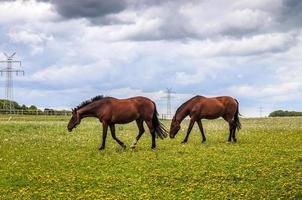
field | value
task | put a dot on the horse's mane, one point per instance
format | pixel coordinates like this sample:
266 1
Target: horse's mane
184 104
85 103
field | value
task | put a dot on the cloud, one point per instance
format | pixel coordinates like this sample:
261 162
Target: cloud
24 11
178 20
70 76
87 9
276 92
291 15
35 40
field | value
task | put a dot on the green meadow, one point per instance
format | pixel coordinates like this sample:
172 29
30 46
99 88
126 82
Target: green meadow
39 159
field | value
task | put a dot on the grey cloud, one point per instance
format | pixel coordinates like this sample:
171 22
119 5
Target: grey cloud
291 16
173 24
98 8
87 8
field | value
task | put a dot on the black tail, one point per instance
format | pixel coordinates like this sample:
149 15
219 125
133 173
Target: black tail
158 126
236 117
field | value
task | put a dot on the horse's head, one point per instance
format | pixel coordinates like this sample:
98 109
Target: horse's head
175 126
74 121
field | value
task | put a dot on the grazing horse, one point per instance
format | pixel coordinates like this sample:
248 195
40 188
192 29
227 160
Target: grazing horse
111 111
200 107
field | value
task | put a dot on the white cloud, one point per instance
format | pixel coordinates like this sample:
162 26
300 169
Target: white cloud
35 40
270 6
278 92
208 71
246 20
246 46
27 37
23 11
70 75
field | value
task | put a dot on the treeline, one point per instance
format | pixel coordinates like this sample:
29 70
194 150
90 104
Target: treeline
281 113
4 104
12 107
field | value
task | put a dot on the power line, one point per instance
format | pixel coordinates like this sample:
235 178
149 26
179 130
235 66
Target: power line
8 72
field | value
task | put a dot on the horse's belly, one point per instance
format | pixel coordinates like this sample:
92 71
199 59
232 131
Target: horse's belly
124 118
212 113
124 121
211 116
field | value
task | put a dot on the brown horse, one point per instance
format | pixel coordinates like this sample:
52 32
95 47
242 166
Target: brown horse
200 107
111 111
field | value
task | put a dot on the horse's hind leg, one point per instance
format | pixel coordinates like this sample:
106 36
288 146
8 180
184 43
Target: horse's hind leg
112 130
234 132
201 130
152 131
232 128
229 117
232 125
229 120
141 130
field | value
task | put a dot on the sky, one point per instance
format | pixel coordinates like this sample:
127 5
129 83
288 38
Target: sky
74 50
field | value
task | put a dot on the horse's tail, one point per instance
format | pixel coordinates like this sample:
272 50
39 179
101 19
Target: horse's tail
158 126
236 117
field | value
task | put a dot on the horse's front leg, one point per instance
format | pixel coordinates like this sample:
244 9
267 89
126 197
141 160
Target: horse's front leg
192 121
112 130
105 128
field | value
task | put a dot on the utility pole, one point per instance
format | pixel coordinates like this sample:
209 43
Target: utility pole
8 71
260 111
169 101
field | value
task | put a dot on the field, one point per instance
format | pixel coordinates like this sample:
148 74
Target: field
40 159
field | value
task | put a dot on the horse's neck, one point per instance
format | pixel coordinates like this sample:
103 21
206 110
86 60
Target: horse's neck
87 111
182 114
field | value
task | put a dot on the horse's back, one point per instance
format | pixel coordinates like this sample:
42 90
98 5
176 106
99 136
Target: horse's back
214 107
209 108
142 106
227 100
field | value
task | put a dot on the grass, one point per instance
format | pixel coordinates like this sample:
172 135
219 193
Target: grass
40 159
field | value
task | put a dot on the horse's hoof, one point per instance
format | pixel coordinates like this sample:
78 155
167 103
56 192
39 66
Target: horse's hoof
124 146
228 142
101 148
183 142
153 147
235 140
203 141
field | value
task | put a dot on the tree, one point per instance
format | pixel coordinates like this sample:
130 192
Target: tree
24 107
281 113
32 107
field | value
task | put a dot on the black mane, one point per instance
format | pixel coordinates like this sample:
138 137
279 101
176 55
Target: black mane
184 104
85 103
